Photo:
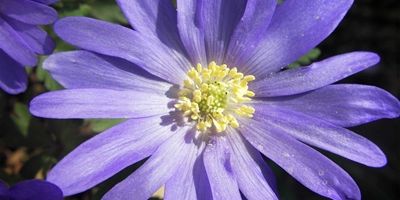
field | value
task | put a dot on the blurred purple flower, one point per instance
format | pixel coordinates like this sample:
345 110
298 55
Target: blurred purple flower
202 128
21 39
30 190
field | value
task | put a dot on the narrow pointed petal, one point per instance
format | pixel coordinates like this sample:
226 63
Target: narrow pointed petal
156 19
250 30
115 40
220 18
255 179
98 103
295 29
84 69
35 190
150 176
4 193
191 182
324 135
37 39
13 78
319 74
191 29
343 105
14 46
305 164
217 161
28 11
150 17
122 145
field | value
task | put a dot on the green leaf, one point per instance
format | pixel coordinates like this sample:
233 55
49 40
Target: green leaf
74 10
100 125
21 117
108 11
306 59
310 56
174 3
28 69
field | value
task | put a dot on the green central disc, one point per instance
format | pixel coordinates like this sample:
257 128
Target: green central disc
220 95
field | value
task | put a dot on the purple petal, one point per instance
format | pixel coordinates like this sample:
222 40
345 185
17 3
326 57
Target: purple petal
35 190
255 179
191 29
28 11
305 164
217 161
191 182
46 2
84 69
115 40
33 36
4 193
157 170
343 105
295 29
98 103
13 78
324 135
220 18
14 46
249 31
156 19
108 153
319 74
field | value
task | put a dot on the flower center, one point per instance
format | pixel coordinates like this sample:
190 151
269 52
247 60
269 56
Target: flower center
214 95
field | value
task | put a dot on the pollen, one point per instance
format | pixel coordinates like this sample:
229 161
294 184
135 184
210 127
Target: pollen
213 96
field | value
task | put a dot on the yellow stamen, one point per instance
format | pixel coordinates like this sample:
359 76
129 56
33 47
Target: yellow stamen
187 83
199 68
208 92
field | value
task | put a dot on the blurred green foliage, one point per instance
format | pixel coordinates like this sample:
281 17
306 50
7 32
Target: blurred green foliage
100 125
306 59
21 118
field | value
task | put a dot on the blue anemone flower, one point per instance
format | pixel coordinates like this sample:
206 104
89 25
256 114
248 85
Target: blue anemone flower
30 190
21 39
204 92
